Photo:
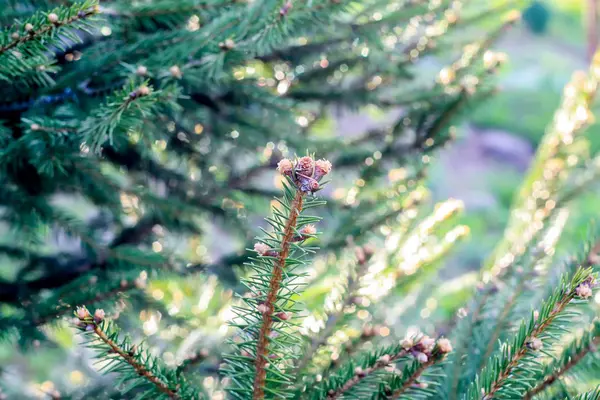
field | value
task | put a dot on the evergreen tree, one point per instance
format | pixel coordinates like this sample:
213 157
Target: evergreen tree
134 134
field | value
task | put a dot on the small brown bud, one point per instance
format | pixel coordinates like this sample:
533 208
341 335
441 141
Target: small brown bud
35 127
99 315
305 166
261 248
535 344
426 343
407 343
368 331
176 72
308 230
358 371
322 168
283 316
15 36
444 345
82 312
285 167
53 18
28 28
228 44
123 283
143 90
262 308
385 359
422 358
69 57
141 70
584 291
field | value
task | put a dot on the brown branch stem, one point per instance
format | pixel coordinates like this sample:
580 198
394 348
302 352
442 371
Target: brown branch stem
358 377
46 29
556 374
139 368
413 378
262 350
507 372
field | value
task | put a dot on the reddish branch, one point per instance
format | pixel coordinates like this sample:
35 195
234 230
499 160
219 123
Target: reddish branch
550 379
514 362
262 350
139 368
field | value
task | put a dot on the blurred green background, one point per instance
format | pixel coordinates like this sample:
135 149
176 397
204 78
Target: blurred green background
486 165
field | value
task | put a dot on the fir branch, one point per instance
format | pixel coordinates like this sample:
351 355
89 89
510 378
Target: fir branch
518 358
264 320
570 357
360 374
36 28
411 375
357 378
591 395
105 339
262 351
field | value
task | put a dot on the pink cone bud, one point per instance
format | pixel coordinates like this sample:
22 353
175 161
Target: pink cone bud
444 345
99 315
285 167
322 168
261 248
82 312
584 291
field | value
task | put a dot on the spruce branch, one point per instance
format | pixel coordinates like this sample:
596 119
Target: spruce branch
508 372
591 395
39 26
130 359
569 358
265 347
360 377
262 351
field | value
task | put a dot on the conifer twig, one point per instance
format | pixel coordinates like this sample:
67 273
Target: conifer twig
587 344
528 340
262 351
94 324
53 23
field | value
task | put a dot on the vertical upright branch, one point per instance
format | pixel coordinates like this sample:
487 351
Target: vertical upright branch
262 350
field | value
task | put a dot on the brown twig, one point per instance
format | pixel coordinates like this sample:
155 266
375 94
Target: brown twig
517 356
550 379
362 374
262 350
413 378
139 368
48 28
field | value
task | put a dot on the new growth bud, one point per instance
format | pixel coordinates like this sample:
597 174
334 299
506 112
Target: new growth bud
261 248
305 172
82 313
141 70
176 72
584 291
53 18
99 315
444 346
535 344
